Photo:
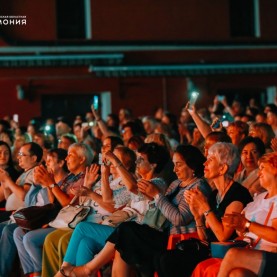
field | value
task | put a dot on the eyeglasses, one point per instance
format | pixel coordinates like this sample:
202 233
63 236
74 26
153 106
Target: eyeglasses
23 155
140 160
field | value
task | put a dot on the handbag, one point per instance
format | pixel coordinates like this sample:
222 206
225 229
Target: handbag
154 218
70 216
195 247
119 216
219 249
35 217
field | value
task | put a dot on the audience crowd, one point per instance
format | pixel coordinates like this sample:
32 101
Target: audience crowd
204 176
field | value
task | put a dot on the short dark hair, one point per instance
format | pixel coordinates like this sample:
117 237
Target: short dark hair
35 150
115 141
257 141
61 155
219 136
193 158
156 154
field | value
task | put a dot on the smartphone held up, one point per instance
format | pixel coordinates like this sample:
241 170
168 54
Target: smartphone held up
193 98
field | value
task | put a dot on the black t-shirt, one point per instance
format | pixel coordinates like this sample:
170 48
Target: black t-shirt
236 192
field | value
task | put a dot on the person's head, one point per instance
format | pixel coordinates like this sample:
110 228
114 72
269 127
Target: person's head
5 155
160 139
135 142
268 170
270 107
188 161
237 107
263 131
29 155
126 156
214 137
66 140
77 130
151 157
109 143
79 156
132 128
251 149
271 118
223 159
237 131
149 124
39 138
260 118
124 115
112 121
62 126
55 160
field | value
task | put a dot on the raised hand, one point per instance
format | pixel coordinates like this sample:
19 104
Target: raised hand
147 188
43 177
91 176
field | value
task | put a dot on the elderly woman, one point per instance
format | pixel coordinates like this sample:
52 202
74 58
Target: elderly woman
89 238
228 197
251 149
257 222
136 244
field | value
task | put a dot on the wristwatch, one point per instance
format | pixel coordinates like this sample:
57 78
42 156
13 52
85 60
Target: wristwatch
207 212
247 225
52 186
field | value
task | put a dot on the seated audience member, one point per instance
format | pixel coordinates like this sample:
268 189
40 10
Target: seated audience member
138 244
54 175
258 223
271 119
228 197
89 238
149 124
251 149
264 132
66 140
6 163
237 131
56 242
62 126
124 115
29 157
167 173
22 193
135 142
130 129
214 137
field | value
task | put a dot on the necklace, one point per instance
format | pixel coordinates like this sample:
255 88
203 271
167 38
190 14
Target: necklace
188 182
219 197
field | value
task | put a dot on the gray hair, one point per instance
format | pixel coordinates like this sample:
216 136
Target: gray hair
226 153
83 150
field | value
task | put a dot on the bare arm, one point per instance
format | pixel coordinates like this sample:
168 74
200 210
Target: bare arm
43 177
203 127
199 205
128 178
102 125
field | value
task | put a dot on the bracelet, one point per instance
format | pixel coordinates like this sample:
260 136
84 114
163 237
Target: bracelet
98 119
200 226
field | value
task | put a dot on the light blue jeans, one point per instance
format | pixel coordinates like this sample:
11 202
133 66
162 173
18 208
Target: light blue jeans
29 246
87 240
